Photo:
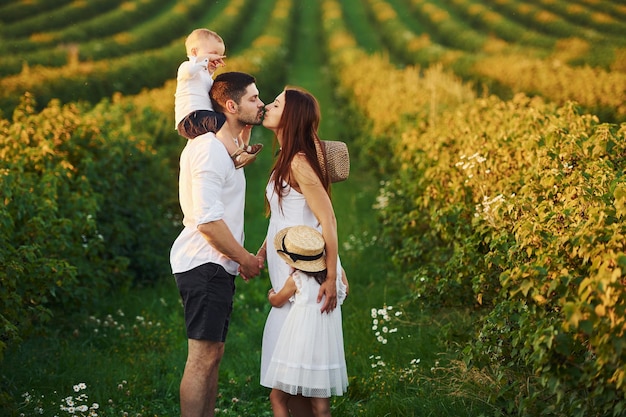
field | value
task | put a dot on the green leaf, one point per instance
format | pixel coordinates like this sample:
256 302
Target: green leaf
526 286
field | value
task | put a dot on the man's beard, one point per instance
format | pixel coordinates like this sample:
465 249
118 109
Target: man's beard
254 120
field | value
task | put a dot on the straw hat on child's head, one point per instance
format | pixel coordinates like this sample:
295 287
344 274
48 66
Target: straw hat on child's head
302 247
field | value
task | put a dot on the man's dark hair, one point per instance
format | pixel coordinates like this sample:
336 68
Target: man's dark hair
229 86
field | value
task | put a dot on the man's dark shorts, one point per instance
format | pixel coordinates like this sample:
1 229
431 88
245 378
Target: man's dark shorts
200 122
207 292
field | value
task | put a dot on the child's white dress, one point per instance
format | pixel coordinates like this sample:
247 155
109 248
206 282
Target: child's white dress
309 358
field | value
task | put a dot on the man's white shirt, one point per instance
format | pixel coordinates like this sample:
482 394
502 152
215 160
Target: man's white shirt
210 189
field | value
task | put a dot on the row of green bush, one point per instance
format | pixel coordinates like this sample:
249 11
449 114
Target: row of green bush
269 48
446 27
57 18
544 21
412 46
11 11
33 49
89 206
514 210
503 70
484 17
128 74
604 22
518 209
612 8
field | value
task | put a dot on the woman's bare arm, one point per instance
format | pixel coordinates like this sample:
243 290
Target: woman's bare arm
319 201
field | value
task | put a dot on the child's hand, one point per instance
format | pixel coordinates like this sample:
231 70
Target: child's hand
270 294
211 61
217 60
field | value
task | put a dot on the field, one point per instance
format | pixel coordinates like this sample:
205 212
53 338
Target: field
482 227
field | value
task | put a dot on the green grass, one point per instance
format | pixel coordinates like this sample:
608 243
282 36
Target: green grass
126 349
130 350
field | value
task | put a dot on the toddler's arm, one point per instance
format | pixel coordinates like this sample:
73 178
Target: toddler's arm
278 299
191 68
217 59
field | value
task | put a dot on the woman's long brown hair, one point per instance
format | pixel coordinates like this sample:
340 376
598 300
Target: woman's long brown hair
298 128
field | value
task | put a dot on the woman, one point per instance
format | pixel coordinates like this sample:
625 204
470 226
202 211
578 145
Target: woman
298 193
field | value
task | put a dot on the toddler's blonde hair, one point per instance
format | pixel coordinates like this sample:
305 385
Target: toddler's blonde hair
200 35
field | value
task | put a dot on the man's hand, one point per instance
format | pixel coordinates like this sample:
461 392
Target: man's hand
250 267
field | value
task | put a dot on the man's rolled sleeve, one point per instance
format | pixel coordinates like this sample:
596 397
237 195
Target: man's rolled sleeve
207 187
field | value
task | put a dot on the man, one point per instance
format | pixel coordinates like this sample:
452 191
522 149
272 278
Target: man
209 252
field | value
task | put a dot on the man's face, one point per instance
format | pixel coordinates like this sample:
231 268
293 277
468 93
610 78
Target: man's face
250 109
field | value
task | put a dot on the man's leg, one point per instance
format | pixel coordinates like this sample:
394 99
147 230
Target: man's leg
198 388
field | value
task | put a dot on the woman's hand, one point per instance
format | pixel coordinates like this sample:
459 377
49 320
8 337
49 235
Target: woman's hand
329 290
261 255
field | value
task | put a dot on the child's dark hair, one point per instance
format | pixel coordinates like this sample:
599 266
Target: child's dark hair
320 276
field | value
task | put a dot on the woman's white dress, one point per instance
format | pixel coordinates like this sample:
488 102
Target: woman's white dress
309 358
293 211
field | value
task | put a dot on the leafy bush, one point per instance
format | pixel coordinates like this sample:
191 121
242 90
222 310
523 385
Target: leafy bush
517 209
86 205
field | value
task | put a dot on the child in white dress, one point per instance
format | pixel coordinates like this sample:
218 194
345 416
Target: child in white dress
309 358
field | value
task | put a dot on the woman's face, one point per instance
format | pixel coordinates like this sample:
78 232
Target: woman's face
273 112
